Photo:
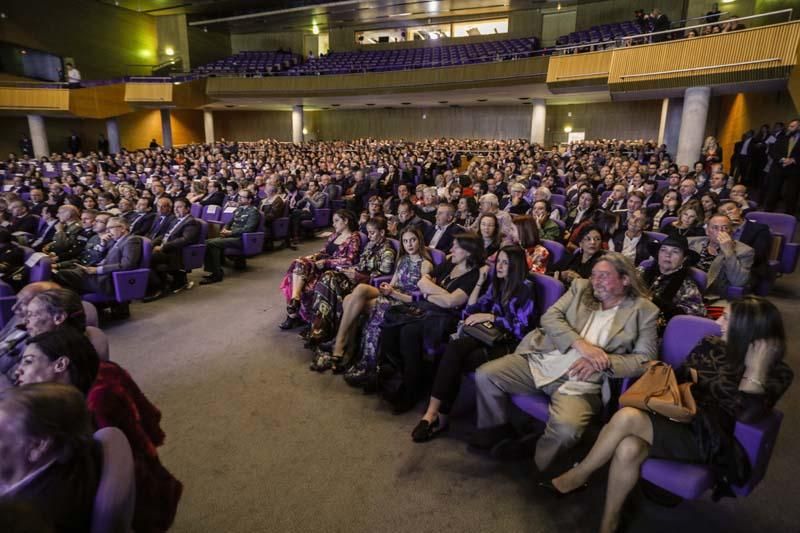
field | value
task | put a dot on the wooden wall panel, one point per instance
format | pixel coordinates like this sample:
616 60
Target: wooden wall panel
187 126
148 92
253 125
754 54
579 70
28 99
138 128
101 38
99 102
619 120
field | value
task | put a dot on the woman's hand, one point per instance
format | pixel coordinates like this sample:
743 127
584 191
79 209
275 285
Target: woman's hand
483 273
385 289
477 318
426 284
760 356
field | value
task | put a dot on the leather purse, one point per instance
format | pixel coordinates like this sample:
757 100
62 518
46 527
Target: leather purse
485 332
658 391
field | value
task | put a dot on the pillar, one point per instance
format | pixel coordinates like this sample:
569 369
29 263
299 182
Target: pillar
672 125
166 129
693 124
297 124
538 121
662 124
38 136
208 123
112 135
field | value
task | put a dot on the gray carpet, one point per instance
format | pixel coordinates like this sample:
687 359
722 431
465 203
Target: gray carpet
263 444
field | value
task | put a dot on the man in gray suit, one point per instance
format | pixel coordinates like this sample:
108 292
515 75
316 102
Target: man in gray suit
602 327
726 261
124 254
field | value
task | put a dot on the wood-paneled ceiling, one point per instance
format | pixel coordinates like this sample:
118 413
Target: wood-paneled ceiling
292 15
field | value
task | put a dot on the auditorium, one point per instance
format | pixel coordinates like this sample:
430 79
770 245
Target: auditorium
399 266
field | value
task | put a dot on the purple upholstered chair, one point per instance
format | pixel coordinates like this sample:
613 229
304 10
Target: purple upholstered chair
556 249
666 221
211 213
128 284
194 254
655 236
438 256
116 493
38 271
280 229
558 199
227 215
252 242
7 300
784 226
196 210
690 481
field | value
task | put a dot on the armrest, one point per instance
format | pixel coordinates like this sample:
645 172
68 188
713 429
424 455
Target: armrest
791 252
252 243
130 284
377 280
735 292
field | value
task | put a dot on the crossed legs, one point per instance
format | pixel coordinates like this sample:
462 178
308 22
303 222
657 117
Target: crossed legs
361 300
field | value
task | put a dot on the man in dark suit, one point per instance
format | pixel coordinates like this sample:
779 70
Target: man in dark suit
124 254
21 219
631 242
440 235
37 201
163 219
47 228
142 218
168 251
214 196
754 234
784 174
717 185
742 157
406 217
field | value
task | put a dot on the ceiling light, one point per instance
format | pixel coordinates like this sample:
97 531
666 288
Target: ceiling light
305 131
567 129
169 51
315 29
400 14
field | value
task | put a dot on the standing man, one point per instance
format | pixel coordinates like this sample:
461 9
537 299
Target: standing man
784 173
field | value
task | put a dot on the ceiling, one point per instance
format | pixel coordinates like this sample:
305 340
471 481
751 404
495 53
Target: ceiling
520 95
285 15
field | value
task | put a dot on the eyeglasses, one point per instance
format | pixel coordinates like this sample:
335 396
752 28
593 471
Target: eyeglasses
114 227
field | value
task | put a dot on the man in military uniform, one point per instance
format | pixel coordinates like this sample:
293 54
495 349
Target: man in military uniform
245 219
94 250
65 243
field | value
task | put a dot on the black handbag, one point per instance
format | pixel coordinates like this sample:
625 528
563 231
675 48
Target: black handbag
485 332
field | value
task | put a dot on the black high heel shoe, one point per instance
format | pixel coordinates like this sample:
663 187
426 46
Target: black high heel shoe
291 322
549 487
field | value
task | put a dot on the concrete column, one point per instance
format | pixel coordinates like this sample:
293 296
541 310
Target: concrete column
662 124
693 124
538 121
672 125
112 135
38 136
166 129
297 124
208 123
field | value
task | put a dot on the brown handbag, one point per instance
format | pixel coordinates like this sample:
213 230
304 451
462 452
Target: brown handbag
657 391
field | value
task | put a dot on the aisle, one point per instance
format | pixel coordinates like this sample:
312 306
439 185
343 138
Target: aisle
263 444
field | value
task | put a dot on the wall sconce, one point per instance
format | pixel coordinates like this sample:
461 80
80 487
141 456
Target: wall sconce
169 51
567 129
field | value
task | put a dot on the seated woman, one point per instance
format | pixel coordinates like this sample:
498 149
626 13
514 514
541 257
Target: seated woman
414 261
508 304
709 201
740 377
450 287
536 255
516 204
689 223
340 251
50 461
65 356
672 287
669 208
467 211
548 228
490 234
587 203
197 192
374 209
579 264
376 259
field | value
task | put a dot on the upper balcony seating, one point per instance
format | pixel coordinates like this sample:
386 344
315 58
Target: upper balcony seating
250 63
600 34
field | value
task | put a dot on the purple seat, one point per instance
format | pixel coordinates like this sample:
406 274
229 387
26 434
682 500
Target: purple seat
438 256
322 219
604 196
252 242
556 249
193 255
690 481
116 493
655 236
7 300
128 284
40 270
211 213
280 228
666 221
196 210
536 405
784 226
227 215
364 239
558 199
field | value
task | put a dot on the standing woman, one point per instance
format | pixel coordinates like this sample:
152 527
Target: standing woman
740 377
712 153
508 305
376 259
414 261
341 250
450 287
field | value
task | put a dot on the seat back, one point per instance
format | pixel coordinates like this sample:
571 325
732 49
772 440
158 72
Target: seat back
364 239
196 210
227 214
556 249
116 493
438 256
40 270
758 441
558 199
666 221
779 223
211 213
548 290
683 333
396 245
90 312
655 236
147 253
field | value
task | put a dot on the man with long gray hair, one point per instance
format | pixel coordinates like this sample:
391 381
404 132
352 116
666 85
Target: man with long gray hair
602 327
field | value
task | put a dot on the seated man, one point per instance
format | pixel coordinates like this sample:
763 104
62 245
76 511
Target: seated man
740 196
65 243
631 242
726 261
440 236
22 220
163 220
168 251
95 247
12 260
605 326
47 228
245 220
142 217
754 234
125 253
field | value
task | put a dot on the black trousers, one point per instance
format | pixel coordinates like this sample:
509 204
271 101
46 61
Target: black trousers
462 356
782 183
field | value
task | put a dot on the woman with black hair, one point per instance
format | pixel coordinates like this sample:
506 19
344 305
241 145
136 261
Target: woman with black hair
341 250
740 376
444 293
489 229
467 211
508 307
579 264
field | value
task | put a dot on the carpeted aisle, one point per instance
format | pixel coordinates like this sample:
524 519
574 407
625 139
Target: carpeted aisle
263 444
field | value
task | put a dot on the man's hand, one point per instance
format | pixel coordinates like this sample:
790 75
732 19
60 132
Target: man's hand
224 232
725 243
581 370
594 354
88 269
157 248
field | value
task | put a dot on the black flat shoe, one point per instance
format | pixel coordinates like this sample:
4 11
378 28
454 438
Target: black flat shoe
516 449
153 297
550 488
210 280
291 322
426 431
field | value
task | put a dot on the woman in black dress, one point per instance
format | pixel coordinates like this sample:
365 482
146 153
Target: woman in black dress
741 375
